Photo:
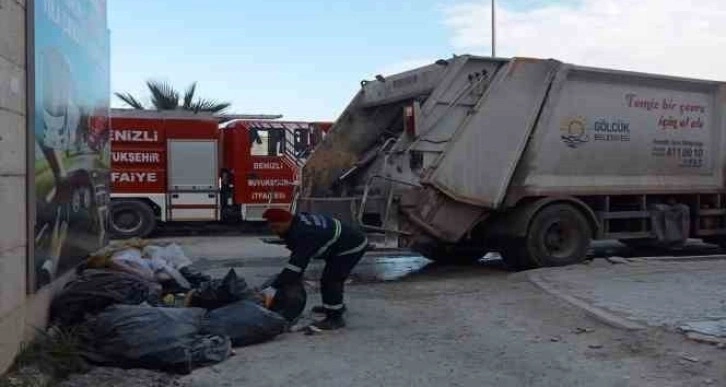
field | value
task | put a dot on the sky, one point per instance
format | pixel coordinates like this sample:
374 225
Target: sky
305 59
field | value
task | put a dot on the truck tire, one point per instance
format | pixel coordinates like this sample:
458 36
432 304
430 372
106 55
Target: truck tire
558 235
131 219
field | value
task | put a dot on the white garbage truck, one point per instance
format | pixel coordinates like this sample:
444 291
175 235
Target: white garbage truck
531 158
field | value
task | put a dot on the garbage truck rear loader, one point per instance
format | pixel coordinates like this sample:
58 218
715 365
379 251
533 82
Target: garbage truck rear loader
532 158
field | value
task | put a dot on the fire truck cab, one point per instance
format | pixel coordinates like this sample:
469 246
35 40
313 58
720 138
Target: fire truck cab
180 166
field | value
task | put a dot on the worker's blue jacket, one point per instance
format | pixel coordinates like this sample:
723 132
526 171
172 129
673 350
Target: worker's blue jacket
313 236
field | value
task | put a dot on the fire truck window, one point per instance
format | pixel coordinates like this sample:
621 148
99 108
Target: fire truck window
302 140
276 142
314 135
271 143
258 143
255 137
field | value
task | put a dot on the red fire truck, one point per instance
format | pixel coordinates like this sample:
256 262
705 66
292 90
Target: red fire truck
181 166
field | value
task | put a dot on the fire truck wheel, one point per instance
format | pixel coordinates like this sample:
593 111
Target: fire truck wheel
558 235
131 219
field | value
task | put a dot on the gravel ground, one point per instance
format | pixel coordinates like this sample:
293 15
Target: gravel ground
115 377
475 326
430 325
657 293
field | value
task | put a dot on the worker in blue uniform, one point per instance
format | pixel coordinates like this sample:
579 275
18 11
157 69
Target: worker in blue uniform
312 236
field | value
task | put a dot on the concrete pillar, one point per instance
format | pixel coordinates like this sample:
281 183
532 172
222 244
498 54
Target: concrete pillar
13 216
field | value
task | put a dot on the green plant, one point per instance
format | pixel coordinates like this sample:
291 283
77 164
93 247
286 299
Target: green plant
55 352
23 381
165 97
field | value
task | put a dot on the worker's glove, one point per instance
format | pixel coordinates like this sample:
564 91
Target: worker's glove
268 295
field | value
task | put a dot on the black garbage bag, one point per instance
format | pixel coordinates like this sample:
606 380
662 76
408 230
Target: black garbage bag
245 322
94 290
218 293
168 339
195 277
289 300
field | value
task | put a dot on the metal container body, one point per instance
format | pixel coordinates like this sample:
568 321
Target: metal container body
547 128
609 132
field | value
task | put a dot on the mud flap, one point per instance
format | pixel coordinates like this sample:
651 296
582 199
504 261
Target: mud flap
671 223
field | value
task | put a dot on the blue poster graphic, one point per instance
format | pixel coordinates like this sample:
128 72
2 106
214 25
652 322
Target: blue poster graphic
72 93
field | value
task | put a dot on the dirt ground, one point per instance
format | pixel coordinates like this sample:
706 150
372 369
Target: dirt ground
433 325
470 327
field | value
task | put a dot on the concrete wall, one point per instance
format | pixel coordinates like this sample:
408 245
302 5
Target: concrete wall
19 313
13 132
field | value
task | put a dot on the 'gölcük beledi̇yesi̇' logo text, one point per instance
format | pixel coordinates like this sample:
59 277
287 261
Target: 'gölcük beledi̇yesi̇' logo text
576 131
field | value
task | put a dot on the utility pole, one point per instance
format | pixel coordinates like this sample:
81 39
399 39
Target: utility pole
494 29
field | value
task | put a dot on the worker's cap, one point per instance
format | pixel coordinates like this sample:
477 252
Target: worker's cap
277 215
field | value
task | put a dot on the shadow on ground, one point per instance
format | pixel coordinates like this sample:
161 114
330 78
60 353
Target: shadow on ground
209 229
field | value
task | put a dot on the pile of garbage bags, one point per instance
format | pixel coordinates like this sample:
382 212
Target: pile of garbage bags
141 305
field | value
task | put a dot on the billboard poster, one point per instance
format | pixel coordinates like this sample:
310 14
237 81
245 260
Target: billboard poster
71 86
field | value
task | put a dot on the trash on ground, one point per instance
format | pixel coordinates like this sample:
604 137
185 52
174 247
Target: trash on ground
302 323
289 300
158 263
709 331
94 290
141 305
218 293
132 262
172 254
618 260
245 322
169 339
194 277
151 268
311 330
689 358
715 328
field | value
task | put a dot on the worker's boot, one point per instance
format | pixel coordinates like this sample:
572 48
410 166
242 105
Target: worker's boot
333 320
319 309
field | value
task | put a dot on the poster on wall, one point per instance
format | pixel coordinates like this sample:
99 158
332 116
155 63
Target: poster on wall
72 92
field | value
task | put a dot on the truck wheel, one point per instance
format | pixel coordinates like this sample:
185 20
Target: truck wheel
558 235
131 219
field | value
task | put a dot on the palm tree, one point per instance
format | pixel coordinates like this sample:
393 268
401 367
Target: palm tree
165 97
